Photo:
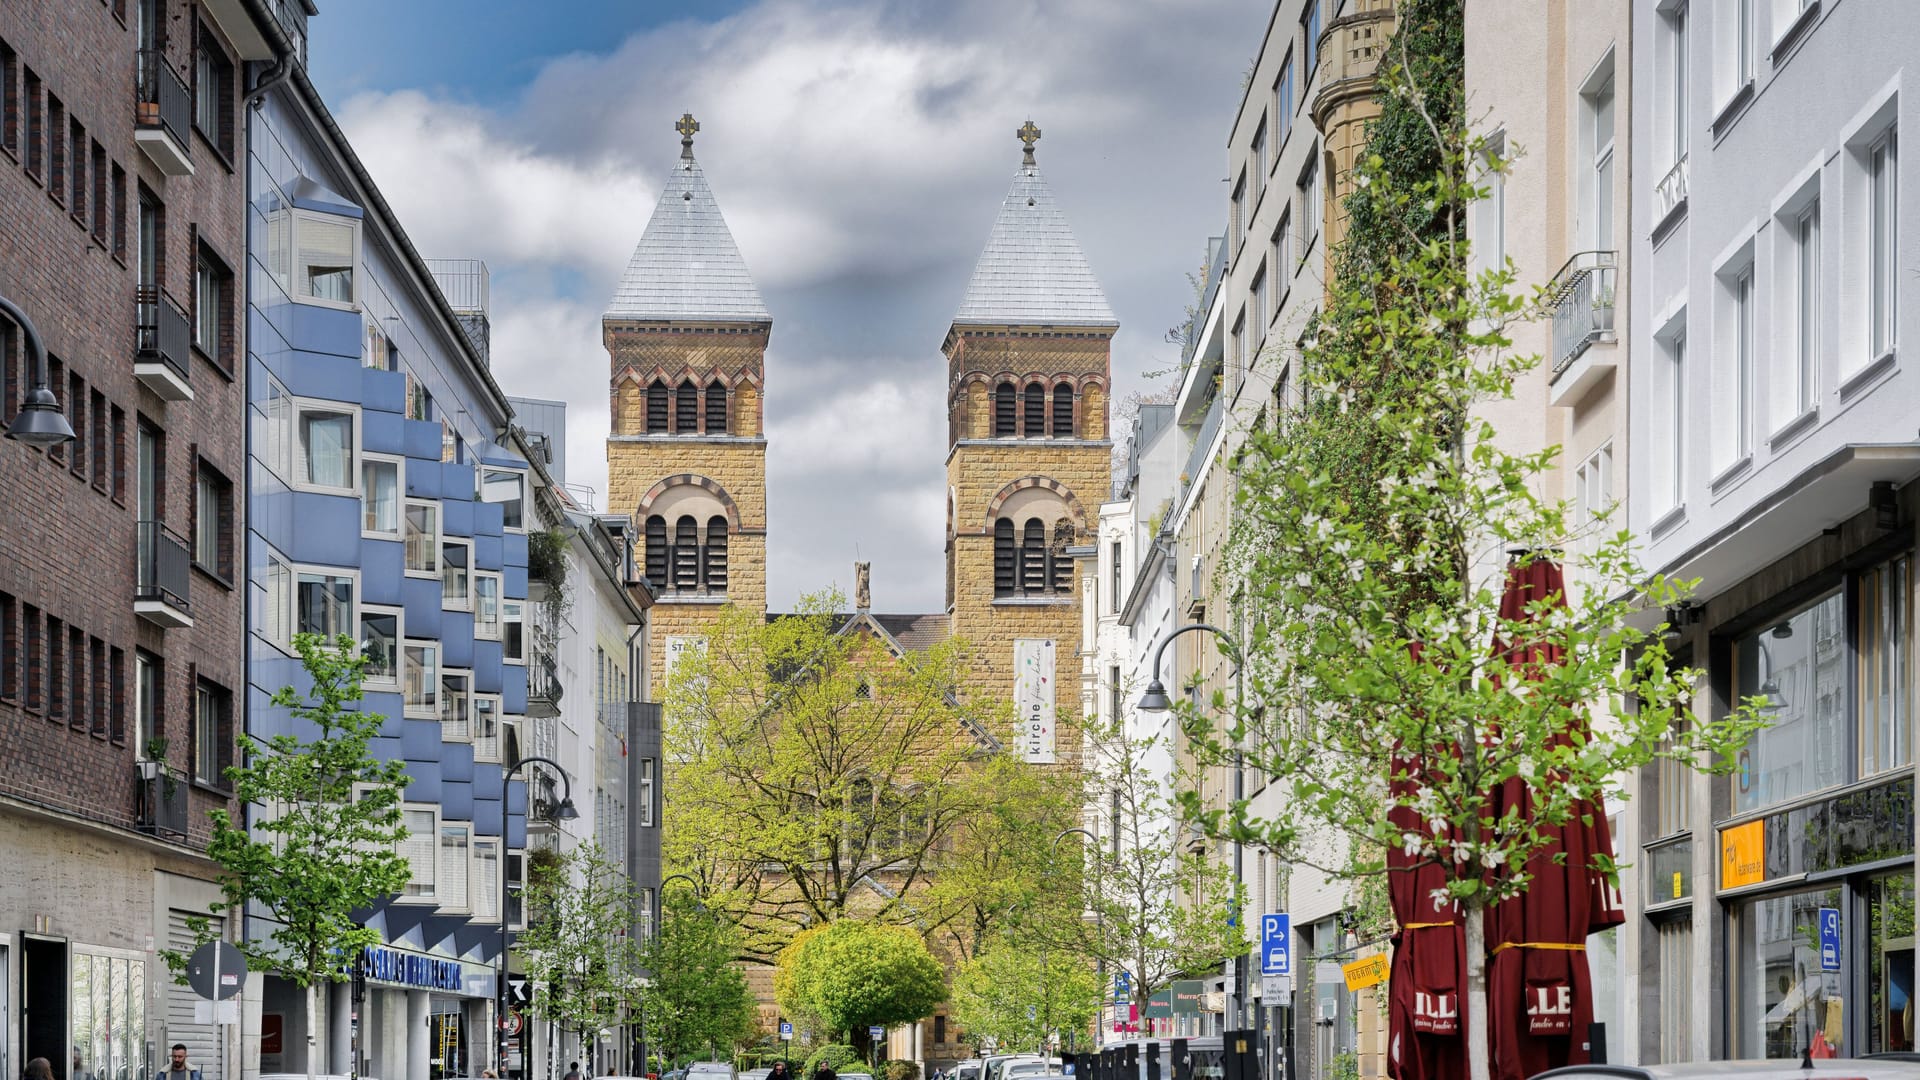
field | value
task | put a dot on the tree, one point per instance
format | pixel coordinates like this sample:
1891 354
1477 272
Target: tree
324 842
1151 908
1368 534
578 959
854 973
1009 991
816 773
697 1000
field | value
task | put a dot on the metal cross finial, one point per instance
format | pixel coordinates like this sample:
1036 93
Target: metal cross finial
1028 134
686 126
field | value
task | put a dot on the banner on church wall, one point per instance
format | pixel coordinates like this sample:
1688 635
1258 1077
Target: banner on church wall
1033 697
681 645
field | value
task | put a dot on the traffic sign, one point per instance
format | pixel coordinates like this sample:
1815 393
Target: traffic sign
1829 939
786 1031
510 1023
216 970
1276 944
877 1032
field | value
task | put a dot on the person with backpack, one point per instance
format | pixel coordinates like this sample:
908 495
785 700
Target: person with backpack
177 1068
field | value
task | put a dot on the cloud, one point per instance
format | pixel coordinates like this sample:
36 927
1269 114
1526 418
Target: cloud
860 151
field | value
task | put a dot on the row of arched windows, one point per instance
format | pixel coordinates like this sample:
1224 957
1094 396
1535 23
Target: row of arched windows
678 410
1026 413
687 561
1026 564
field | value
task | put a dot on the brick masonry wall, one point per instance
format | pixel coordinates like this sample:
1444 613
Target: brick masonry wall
72 556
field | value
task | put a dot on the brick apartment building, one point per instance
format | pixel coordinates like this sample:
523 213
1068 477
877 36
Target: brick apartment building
123 221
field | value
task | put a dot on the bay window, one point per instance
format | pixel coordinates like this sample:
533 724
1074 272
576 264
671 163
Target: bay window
421 532
380 490
420 679
325 444
419 848
507 489
380 645
324 603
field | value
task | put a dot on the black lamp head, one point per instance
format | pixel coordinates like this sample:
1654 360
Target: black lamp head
1155 699
40 423
565 811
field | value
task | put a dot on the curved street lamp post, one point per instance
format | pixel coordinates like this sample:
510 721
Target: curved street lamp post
1046 995
563 812
40 422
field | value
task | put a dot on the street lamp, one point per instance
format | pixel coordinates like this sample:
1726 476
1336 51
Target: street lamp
1046 997
563 812
40 422
1155 700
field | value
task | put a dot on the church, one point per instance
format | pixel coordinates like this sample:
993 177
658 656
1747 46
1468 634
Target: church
1028 361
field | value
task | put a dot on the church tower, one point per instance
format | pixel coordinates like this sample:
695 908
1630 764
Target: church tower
1028 368
686 335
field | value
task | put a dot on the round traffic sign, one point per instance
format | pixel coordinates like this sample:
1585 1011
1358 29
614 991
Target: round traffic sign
216 970
510 1023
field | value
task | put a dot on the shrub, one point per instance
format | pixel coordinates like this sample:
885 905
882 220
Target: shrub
835 1056
899 1069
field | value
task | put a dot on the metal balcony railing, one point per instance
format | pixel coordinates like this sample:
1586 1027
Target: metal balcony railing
159 800
161 331
1582 299
164 102
543 685
1671 192
1216 272
1209 427
163 561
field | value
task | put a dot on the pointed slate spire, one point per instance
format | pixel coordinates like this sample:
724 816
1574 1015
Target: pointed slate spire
1032 270
686 266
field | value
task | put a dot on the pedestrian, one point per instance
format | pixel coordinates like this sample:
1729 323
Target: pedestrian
79 1071
780 1072
177 1066
573 1071
39 1069
825 1072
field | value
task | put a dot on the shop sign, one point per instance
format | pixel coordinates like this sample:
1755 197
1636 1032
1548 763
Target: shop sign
1743 854
412 969
1361 974
1188 995
1160 1005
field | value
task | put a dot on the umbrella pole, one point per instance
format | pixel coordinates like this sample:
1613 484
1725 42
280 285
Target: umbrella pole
1478 1041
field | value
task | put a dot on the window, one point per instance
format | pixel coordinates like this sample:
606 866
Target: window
456 721
1667 464
1117 571
1116 695
1491 213
657 408
422 536
77 182
644 792
1593 482
213 94
486 879
277 626
657 547
716 408
513 641
1796 666
1258 152
419 847
1775 951
118 197
713 558
326 442
148 678
1733 354
486 727
377 350
212 733
686 408
56 149
1743 43
1677 82
150 468
324 603
1025 564
1674 943
1310 32
456 574
1885 669
1883 234
98 172
1260 314
1309 196
1242 213
9 100
486 605
9 650
420 678
108 1026
212 521
1035 425
327 249
1063 411
212 303
1599 212
36 139
380 645
1804 351
516 871
1005 411
380 494
1283 103
507 489
56 669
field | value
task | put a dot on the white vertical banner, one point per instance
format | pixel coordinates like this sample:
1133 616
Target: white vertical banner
680 645
1033 697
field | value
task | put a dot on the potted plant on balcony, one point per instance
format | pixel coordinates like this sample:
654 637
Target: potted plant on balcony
1603 309
547 573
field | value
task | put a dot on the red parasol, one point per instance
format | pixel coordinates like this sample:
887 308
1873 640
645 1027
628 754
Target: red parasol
1426 1010
1539 994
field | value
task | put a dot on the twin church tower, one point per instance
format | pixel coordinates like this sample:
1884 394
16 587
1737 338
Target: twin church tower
1028 376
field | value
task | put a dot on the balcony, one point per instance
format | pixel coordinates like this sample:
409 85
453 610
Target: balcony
162 344
161 577
1582 297
1669 196
159 800
163 115
1203 441
543 686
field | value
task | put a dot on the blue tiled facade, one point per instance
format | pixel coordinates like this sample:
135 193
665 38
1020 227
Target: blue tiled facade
314 355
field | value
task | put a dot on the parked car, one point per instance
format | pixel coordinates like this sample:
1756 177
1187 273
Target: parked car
710 1068
995 1067
1025 1070
1901 1065
755 1074
967 1070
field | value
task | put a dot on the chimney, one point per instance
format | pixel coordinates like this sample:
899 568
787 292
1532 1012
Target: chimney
862 592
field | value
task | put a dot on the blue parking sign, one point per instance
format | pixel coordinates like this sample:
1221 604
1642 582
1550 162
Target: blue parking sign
1829 939
1276 944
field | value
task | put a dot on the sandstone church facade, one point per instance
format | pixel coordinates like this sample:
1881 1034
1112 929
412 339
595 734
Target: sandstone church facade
1028 357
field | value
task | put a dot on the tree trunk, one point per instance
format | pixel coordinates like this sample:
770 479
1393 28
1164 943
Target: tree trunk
1478 1041
313 1017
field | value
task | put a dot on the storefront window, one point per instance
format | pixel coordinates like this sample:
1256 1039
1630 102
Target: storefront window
1673 940
1786 1001
1800 666
1670 872
1886 686
1890 1005
109 1017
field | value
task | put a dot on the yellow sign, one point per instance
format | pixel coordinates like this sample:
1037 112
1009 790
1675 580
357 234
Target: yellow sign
1364 973
1743 855
1676 885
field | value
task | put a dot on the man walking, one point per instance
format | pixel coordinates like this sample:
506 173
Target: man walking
573 1072
177 1067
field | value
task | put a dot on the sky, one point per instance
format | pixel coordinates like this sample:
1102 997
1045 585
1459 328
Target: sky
859 150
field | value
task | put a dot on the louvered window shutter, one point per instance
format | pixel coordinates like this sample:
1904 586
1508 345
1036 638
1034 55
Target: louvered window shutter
715 570
657 552
1033 559
1004 578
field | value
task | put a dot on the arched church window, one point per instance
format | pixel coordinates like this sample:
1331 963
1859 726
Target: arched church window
1005 581
686 408
1063 411
713 570
686 554
657 552
716 408
1059 563
657 408
1006 411
1036 425
1033 558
